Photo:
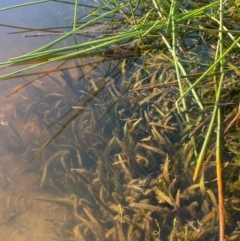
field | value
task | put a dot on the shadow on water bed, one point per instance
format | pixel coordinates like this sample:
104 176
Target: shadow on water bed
103 153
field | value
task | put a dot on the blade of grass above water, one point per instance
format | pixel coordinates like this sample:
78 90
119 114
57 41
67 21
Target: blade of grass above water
24 5
135 31
75 15
218 143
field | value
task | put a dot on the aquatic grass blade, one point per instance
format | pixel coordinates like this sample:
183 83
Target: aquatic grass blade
221 209
24 5
75 15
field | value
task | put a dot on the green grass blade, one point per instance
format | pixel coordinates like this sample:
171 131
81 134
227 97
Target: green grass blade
23 5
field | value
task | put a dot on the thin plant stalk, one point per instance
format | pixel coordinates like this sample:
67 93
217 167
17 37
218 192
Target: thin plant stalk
75 15
24 5
218 144
219 181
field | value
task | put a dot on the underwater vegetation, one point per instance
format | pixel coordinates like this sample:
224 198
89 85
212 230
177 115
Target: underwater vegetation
138 133
126 158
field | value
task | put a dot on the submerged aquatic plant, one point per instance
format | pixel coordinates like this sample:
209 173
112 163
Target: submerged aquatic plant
128 164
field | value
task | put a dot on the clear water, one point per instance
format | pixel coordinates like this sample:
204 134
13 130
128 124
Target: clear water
79 115
23 130
37 107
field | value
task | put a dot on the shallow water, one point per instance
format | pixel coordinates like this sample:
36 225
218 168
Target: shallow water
22 129
90 148
34 108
